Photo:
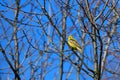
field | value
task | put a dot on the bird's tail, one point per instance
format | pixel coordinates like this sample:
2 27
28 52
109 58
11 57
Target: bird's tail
79 49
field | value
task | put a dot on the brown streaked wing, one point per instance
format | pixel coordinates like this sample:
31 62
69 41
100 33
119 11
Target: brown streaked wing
75 42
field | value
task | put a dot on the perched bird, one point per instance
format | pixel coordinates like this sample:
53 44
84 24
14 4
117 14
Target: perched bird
73 43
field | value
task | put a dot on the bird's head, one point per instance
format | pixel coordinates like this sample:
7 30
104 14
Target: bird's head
70 37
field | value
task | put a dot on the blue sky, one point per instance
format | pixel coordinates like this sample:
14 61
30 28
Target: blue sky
38 39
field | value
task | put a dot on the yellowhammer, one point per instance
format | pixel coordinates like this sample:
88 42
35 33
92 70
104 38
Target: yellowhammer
73 43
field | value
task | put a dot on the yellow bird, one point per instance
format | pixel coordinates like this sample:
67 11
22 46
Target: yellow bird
73 43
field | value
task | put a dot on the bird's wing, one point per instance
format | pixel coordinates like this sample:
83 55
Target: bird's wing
75 42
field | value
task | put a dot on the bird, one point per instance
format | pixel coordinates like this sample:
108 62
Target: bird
73 43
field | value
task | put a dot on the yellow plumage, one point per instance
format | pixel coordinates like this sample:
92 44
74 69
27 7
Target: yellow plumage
73 43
